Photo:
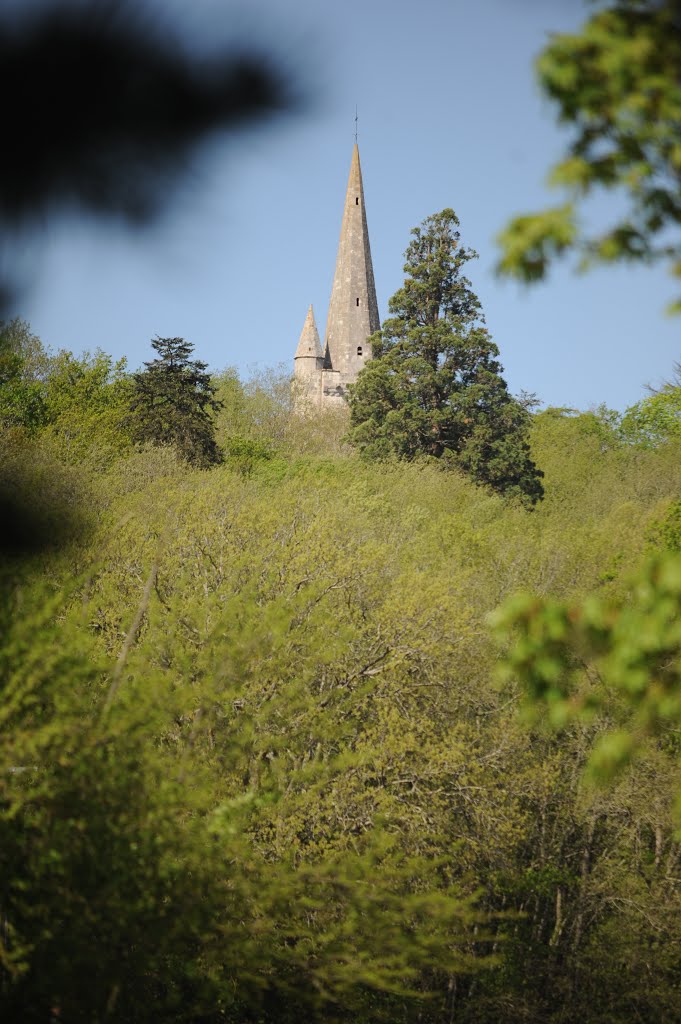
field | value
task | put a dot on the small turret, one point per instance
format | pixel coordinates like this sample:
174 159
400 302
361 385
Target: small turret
309 345
308 363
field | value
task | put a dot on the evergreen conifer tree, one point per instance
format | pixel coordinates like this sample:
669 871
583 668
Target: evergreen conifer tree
434 386
172 402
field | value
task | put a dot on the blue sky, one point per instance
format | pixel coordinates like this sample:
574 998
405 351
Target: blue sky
449 115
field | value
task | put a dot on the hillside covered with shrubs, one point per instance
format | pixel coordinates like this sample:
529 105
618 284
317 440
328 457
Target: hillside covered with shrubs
268 751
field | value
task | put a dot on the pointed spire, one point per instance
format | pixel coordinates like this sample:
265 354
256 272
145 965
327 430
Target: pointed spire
353 310
309 344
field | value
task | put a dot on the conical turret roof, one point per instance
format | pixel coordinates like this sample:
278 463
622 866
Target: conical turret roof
309 344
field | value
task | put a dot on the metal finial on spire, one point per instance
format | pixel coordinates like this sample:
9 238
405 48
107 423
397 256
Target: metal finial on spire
356 124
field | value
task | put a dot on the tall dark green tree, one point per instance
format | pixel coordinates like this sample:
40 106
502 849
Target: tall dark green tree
172 403
434 386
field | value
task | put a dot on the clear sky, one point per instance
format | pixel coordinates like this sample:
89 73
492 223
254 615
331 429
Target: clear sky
449 115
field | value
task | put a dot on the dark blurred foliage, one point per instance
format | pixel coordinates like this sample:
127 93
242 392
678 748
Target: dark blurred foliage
28 526
104 106
103 109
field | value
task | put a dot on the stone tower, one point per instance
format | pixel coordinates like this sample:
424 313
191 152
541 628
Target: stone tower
308 363
353 310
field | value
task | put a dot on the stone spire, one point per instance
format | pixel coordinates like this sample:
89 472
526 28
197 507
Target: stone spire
353 310
309 344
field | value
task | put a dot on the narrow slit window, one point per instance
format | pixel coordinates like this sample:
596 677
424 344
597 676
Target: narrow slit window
358 301
359 350
356 200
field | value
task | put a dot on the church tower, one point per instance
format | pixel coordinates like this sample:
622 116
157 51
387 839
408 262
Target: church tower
353 311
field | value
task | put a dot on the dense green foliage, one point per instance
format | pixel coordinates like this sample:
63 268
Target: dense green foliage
80 402
434 386
616 657
256 761
172 403
21 396
616 83
656 417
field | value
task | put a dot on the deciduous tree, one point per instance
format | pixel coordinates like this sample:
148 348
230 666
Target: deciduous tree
617 84
615 657
22 399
